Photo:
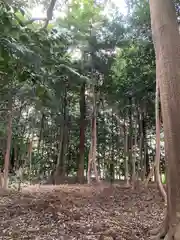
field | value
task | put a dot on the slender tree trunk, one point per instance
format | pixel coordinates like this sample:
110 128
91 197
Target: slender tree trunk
30 157
130 137
60 146
89 164
146 154
126 160
94 142
1 179
65 149
126 153
158 147
104 146
80 174
141 144
41 132
112 151
8 146
92 152
134 175
62 149
167 44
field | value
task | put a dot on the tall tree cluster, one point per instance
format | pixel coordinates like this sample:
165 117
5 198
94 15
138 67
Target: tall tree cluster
78 93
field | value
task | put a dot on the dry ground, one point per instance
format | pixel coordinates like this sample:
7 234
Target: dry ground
77 212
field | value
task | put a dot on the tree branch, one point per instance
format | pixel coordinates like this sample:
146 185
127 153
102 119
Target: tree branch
50 12
88 80
30 21
33 20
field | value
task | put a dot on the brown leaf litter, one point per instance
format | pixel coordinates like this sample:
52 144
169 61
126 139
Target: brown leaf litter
75 212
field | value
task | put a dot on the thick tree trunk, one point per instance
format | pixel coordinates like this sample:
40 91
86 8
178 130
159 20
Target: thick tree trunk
8 146
167 45
80 174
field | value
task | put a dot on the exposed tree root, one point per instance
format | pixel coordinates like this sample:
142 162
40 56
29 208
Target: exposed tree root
160 232
166 234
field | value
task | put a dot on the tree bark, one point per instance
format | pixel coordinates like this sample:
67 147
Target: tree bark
130 137
62 149
30 156
80 174
167 45
145 144
141 144
92 151
126 153
40 132
8 146
158 147
134 175
112 165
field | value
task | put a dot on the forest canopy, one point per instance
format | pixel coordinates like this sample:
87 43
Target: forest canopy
77 90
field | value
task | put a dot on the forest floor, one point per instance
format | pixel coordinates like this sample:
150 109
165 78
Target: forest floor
68 212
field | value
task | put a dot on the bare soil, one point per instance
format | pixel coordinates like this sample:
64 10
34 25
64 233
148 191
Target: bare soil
67 212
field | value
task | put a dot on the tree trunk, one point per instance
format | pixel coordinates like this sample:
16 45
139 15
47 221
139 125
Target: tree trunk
126 160
65 149
92 151
40 132
126 153
111 167
141 144
89 164
158 147
60 146
30 157
62 149
167 44
130 137
80 174
1 179
104 146
8 146
134 175
146 154
94 137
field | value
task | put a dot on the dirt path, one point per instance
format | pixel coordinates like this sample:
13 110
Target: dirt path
79 212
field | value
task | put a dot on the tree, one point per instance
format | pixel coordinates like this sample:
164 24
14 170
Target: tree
82 105
167 44
158 147
85 80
